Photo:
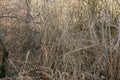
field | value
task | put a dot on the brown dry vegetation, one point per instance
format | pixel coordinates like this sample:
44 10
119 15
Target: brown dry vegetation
61 39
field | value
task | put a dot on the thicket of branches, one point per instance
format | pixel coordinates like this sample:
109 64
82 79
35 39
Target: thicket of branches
64 39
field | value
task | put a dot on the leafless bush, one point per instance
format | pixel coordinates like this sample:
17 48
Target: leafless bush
66 40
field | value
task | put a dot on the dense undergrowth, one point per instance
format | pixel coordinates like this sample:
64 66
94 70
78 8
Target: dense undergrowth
61 39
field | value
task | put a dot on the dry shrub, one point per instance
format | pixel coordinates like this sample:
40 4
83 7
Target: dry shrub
72 40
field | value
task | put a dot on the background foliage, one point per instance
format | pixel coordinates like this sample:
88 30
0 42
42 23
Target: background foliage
64 39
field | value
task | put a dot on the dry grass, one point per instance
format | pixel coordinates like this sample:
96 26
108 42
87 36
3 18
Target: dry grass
62 40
